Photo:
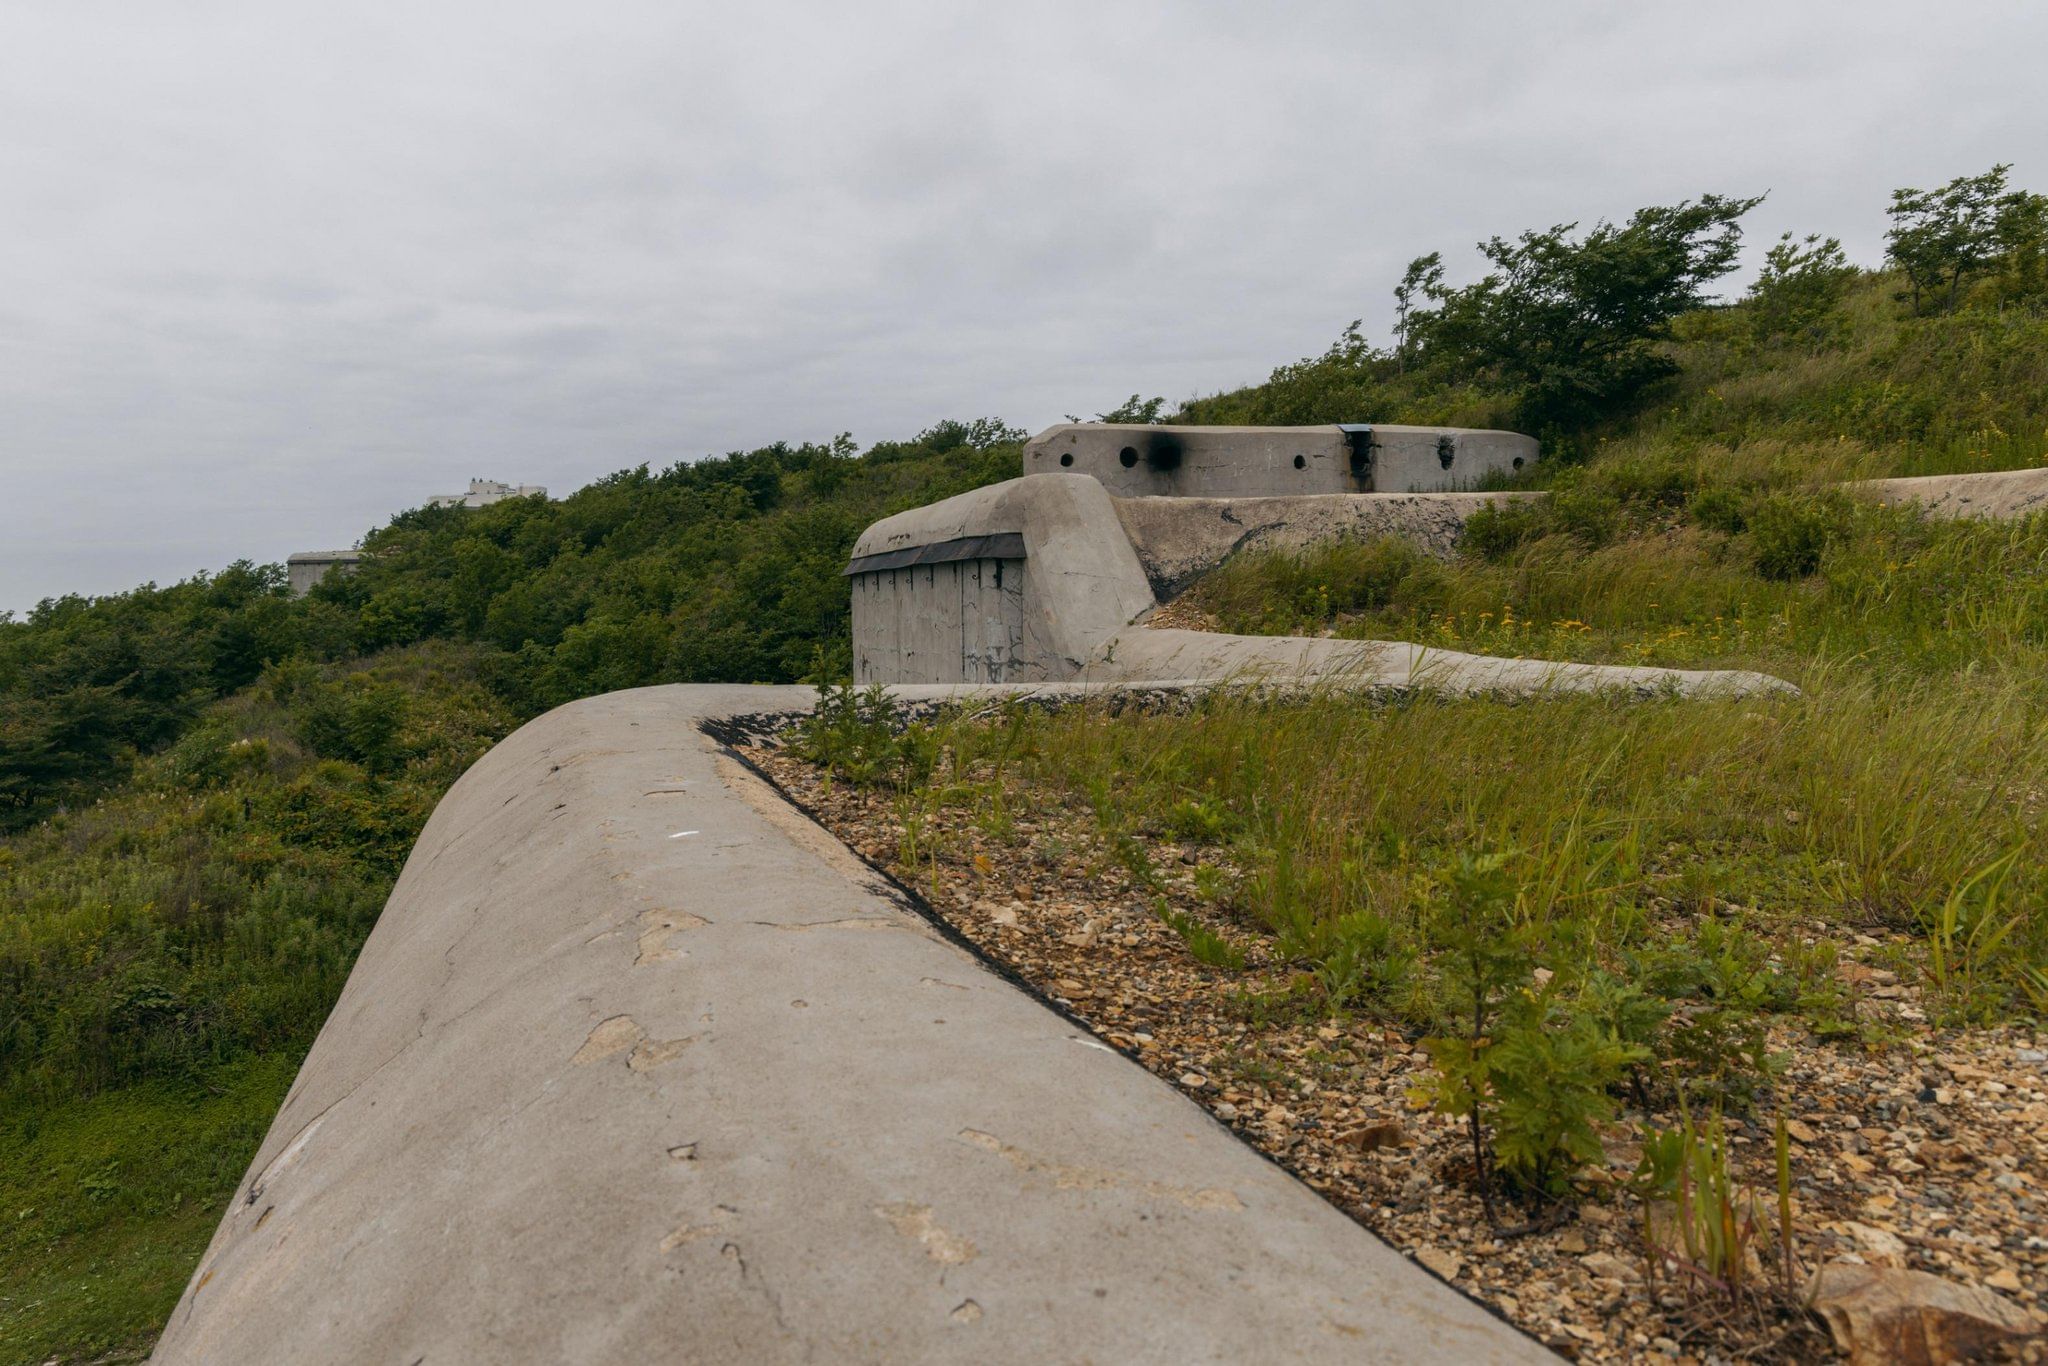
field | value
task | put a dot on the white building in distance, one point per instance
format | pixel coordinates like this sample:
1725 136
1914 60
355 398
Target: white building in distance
484 492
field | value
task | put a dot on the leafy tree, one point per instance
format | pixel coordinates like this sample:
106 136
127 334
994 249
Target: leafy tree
2023 246
1136 408
1424 279
1944 237
1571 324
1801 285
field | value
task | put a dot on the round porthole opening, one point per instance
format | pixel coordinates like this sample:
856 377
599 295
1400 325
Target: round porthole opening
1067 458
1301 462
1129 456
1518 462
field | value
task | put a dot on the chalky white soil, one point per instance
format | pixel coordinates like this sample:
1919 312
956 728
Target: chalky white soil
1930 1153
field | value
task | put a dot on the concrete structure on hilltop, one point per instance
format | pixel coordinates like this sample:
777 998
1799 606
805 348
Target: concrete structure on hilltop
308 567
1051 577
484 492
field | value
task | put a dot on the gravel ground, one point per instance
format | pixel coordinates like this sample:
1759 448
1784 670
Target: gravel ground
1927 1153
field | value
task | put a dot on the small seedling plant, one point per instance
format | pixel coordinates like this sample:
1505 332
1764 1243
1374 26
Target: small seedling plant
1528 1074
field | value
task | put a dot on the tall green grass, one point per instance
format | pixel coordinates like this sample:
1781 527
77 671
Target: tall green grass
166 956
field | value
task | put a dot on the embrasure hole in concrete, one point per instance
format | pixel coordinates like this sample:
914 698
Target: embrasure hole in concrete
1067 458
1518 462
1301 462
1129 455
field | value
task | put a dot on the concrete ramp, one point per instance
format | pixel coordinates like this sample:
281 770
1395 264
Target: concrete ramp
2000 495
640 1065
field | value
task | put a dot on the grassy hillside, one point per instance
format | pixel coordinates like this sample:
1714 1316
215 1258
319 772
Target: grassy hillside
206 789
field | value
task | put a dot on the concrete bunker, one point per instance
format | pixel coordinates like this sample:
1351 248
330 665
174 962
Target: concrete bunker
305 569
1049 578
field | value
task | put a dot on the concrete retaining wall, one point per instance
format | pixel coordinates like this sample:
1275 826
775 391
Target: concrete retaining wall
640 1065
1180 539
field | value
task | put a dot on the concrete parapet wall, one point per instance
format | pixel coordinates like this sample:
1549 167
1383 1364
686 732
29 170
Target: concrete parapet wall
1135 460
640 1065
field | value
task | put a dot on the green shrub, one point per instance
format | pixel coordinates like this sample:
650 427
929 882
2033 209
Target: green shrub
1589 514
1790 532
1498 529
1364 960
1718 509
1203 821
1529 1075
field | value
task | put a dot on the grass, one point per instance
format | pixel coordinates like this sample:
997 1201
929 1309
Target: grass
166 956
106 1205
1862 805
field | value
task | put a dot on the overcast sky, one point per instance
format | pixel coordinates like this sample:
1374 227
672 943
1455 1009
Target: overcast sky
270 272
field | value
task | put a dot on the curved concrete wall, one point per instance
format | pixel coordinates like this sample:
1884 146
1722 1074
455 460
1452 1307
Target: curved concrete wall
1189 658
1138 460
640 1065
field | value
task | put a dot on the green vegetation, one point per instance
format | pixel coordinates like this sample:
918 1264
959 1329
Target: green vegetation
206 789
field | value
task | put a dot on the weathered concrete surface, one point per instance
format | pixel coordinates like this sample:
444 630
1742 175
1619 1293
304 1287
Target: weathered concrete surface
1180 539
1138 460
640 1065
307 568
1081 582
1146 655
2000 496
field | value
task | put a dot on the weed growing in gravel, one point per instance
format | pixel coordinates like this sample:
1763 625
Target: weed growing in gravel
857 735
1705 1227
1204 943
1527 1073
